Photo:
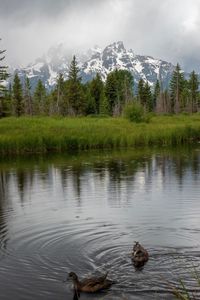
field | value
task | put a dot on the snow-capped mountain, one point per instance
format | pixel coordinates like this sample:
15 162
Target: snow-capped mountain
103 61
115 56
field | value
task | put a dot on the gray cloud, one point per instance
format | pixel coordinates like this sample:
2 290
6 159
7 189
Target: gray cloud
25 11
165 29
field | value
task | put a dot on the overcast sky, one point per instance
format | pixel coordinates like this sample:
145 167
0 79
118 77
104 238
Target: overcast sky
166 29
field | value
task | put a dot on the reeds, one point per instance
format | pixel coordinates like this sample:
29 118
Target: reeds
45 134
181 292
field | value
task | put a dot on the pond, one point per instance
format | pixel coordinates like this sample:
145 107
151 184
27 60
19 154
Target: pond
83 212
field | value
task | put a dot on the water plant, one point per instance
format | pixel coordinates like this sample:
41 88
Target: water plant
181 292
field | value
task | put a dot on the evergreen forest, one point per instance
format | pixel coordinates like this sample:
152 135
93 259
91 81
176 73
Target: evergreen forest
73 98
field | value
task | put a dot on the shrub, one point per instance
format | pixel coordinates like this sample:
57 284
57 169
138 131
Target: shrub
134 112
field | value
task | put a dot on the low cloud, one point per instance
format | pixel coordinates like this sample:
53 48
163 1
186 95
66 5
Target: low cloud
164 29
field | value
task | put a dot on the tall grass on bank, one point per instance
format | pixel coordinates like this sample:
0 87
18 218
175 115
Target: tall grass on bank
45 134
182 292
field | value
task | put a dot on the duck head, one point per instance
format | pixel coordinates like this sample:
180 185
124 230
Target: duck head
73 276
136 247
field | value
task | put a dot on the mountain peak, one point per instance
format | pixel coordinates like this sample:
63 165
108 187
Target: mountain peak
119 44
96 60
116 46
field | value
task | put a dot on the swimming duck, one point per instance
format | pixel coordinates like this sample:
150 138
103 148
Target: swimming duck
89 285
139 256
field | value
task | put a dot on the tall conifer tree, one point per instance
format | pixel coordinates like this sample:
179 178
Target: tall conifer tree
96 89
28 101
75 93
3 77
7 102
148 99
156 93
111 91
40 99
61 101
177 84
140 93
18 101
119 90
193 85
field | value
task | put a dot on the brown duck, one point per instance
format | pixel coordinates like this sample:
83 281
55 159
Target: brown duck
89 285
139 256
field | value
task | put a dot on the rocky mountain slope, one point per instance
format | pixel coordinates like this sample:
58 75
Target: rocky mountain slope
98 60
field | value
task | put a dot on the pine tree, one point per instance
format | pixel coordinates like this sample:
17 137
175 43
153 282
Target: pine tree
144 95
140 93
193 85
28 101
90 104
185 99
104 107
6 104
156 93
148 99
126 84
18 101
177 84
90 107
40 99
119 90
61 106
75 93
112 94
96 88
3 77
7 101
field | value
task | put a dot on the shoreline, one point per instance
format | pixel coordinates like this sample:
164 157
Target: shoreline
37 135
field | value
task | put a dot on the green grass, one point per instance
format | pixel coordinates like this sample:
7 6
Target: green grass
45 134
182 292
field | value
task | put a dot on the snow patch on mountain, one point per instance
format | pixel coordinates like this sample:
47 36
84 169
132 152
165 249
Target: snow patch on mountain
97 60
138 66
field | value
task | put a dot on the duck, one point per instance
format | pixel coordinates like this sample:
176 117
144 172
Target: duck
139 256
89 285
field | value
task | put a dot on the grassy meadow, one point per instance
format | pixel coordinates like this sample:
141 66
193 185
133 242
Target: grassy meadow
47 134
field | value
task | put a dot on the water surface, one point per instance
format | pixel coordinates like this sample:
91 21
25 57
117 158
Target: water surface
83 212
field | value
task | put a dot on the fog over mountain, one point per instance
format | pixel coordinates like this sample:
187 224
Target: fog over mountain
96 60
167 29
